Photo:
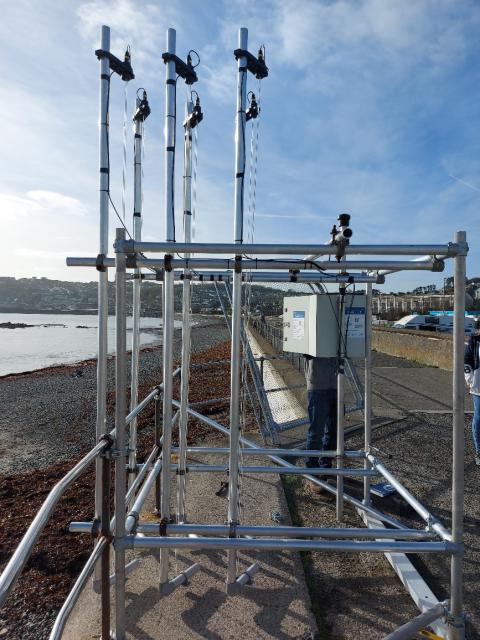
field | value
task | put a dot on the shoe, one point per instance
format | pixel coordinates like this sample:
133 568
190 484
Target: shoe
477 460
318 491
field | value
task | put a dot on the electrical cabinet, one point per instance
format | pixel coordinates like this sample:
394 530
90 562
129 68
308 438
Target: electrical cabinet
311 324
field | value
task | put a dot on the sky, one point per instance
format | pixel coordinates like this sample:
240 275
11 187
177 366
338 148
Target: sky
371 107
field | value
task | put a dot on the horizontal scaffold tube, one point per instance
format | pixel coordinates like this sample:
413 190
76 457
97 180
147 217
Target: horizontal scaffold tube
283 463
422 511
378 546
291 264
277 264
270 276
24 549
294 453
314 471
449 249
273 531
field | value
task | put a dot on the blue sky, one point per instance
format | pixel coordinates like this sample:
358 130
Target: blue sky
372 107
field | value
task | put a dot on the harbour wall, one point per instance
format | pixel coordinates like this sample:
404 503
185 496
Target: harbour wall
426 347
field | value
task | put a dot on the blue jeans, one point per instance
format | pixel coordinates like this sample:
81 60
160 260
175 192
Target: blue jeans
322 433
476 423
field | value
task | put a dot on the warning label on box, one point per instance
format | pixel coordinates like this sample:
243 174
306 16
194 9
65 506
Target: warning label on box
355 322
298 325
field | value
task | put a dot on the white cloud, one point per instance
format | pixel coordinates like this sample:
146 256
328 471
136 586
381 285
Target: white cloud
143 27
396 32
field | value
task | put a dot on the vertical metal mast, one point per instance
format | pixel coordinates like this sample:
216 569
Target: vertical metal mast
456 630
103 251
120 444
186 329
168 316
240 124
141 114
367 407
341 400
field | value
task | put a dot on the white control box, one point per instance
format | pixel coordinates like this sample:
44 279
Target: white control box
311 324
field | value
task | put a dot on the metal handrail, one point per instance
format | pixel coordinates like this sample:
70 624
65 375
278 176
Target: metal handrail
67 607
22 553
151 396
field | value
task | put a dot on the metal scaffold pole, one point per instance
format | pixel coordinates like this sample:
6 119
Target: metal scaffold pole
102 275
342 341
139 118
168 315
120 440
240 124
456 628
186 329
367 408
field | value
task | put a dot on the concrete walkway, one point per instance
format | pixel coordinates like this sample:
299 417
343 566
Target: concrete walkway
276 606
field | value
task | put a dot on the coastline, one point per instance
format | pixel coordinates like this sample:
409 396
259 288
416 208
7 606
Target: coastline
49 414
49 420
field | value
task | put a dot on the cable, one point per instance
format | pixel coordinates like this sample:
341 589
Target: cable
124 168
198 58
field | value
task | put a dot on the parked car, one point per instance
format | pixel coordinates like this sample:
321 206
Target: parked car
434 323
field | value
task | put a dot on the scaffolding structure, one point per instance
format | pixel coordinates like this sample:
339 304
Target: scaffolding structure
123 528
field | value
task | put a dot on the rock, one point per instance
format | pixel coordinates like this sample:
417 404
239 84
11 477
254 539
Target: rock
14 325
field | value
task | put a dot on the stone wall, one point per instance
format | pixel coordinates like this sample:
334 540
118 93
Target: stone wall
427 347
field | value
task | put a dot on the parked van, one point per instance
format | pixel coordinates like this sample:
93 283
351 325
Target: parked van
433 323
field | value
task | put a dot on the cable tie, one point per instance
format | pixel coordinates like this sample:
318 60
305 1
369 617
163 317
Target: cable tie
96 529
131 261
167 262
99 263
162 527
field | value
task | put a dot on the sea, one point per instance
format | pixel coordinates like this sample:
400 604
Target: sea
61 339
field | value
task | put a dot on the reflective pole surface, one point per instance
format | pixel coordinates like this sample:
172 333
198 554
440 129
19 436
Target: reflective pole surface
186 329
102 344
456 629
368 388
340 403
240 124
168 313
120 440
137 235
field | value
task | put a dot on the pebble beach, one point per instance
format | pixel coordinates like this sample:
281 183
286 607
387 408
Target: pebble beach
49 415
47 424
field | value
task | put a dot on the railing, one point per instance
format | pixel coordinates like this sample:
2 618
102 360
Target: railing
22 553
274 336
17 562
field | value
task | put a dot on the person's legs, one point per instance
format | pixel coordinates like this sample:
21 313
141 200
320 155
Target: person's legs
329 440
315 430
476 424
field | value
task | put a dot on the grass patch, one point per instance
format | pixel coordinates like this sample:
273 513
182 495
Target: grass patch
291 486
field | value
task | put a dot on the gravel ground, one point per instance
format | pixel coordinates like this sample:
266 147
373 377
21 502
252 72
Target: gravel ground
49 415
359 596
